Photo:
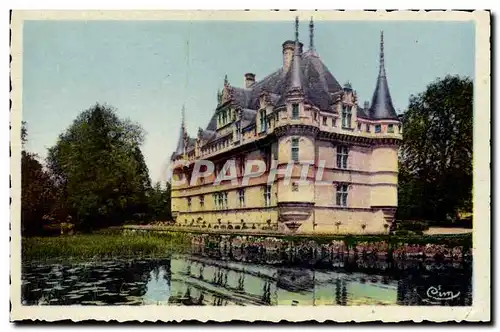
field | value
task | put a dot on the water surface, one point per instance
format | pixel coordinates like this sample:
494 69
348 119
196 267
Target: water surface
201 280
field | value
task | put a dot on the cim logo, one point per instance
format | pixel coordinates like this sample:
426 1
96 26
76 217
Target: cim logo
437 294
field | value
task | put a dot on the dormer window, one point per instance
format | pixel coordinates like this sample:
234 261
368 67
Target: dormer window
238 131
346 116
295 111
263 123
378 128
224 117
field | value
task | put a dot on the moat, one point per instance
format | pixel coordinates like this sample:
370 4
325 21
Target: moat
236 275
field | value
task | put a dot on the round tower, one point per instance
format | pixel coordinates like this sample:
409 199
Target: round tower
296 145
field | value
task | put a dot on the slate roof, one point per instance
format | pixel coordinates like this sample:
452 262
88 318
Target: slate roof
316 80
310 74
381 107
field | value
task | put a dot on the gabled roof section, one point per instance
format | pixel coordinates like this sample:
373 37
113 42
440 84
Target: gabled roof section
381 106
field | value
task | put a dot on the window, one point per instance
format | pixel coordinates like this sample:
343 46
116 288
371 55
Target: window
295 187
295 111
295 149
225 200
202 201
220 199
342 191
342 155
324 121
189 203
267 195
238 131
241 163
390 128
214 196
346 116
263 123
267 157
224 117
400 129
334 122
378 128
241 196
367 128
359 126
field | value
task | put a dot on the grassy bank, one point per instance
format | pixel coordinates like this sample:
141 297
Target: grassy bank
102 245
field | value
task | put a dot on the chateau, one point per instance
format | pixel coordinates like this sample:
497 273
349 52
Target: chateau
298 115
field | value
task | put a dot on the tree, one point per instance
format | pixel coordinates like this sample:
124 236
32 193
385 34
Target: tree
159 202
436 153
98 162
37 191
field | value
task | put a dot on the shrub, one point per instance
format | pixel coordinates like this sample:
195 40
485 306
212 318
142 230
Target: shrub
413 225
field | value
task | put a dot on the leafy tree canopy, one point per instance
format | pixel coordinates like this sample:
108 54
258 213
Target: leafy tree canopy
98 162
436 153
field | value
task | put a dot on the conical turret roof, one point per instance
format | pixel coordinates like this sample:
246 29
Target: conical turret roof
381 106
182 140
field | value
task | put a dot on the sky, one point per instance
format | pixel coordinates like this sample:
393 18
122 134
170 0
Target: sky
148 70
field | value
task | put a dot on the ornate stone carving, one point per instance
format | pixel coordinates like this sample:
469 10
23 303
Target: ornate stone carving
264 99
219 97
297 129
226 91
292 214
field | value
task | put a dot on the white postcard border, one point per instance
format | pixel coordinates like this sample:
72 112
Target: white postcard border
479 311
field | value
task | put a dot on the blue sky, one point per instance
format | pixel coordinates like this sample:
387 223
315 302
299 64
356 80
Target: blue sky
149 69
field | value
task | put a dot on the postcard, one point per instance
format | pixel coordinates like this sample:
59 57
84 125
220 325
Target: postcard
305 165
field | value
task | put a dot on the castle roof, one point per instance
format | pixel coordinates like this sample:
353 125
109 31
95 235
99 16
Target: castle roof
308 74
381 107
316 81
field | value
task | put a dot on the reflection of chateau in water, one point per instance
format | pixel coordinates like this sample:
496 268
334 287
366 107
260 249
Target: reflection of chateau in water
235 283
196 280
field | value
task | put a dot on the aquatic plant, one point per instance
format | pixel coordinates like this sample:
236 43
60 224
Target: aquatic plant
98 246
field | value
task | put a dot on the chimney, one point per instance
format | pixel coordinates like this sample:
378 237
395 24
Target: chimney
366 105
249 79
288 48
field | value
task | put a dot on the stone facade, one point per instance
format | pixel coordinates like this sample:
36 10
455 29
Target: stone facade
299 113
